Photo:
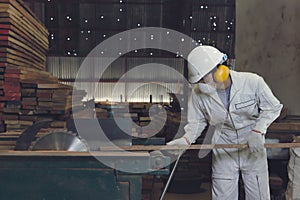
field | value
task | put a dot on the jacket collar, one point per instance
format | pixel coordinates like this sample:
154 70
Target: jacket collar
235 81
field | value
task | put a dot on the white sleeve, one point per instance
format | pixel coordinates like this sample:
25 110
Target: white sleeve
196 121
269 106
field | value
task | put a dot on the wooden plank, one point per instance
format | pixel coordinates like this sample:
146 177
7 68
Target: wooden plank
196 146
5 26
6 148
26 104
10 117
26 70
7 143
28 92
9 98
5 64
287 126
52 86
72 154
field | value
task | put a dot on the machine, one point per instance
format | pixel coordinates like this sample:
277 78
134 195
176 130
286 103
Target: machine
60 167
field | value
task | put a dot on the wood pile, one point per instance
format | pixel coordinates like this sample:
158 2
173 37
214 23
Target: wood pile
285 129
29 95
27 92
139 113
23 39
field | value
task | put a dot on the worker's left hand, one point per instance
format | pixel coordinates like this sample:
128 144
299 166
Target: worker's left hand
255 141
180 142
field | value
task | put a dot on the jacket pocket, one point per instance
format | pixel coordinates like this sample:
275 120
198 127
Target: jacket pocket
244 104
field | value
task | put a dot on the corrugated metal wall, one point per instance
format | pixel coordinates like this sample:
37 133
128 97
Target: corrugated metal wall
121 81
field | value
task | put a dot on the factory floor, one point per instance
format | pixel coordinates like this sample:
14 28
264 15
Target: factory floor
203 194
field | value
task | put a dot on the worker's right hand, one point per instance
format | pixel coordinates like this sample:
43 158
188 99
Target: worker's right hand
255 141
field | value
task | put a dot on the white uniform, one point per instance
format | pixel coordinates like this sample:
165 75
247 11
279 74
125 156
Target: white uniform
252 106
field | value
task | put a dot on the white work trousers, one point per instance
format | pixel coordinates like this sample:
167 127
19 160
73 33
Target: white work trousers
226 167
293 188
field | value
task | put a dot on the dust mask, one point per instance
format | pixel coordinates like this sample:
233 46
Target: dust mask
206 88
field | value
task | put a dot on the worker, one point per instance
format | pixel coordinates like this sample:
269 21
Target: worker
241 106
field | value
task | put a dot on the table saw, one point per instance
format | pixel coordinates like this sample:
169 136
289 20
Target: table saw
59 166
58 175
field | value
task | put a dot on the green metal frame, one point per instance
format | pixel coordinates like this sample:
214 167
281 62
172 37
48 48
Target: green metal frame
64 178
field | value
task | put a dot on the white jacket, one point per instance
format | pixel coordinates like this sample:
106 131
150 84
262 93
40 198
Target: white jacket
252 106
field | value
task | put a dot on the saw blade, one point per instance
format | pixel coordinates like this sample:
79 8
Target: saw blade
60 140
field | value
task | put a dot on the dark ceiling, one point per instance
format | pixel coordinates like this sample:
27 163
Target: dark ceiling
77 26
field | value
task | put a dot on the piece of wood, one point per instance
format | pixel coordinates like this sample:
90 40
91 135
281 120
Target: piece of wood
76 154
54 85
287 126
196 146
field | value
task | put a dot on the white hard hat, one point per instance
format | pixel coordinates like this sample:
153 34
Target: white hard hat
203 59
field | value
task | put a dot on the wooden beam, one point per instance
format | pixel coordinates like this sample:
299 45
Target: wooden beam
196 146
72 154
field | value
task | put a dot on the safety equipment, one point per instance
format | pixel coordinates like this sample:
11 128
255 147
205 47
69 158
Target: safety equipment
252 107
206 88
221 74
255 142
202 60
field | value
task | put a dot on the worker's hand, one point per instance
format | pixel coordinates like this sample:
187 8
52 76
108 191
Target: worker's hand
179 141
183 141
255 141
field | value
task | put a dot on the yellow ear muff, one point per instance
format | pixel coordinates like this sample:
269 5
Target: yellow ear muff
221 74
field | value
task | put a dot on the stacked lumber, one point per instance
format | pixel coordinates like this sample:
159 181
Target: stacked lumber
29 95
23 39
35 101
27 92
139 113
101 113
285 129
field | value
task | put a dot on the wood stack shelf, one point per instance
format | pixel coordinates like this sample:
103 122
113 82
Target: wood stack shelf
27 92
